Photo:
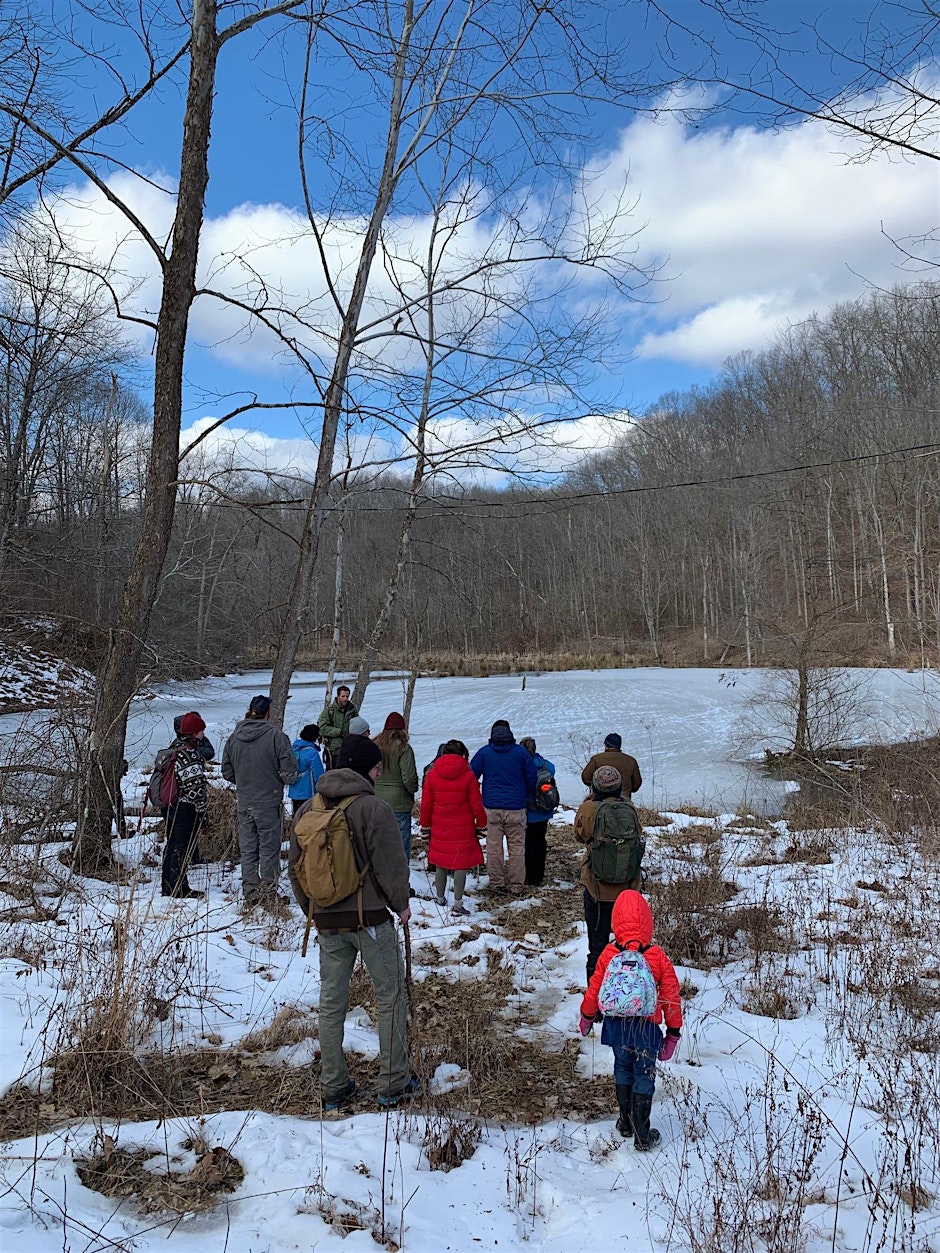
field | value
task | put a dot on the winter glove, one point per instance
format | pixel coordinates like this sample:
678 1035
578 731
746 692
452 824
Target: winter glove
670 1044
585 1025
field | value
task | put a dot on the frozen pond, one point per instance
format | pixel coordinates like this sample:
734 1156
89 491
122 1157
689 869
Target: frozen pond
689 729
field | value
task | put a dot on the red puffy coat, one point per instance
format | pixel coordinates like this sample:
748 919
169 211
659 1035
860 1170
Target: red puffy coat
632 924
453 809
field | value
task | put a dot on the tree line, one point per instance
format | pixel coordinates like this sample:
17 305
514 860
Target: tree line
794 503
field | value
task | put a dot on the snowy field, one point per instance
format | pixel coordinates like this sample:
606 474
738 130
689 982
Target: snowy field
813 1130
687 728
801 1114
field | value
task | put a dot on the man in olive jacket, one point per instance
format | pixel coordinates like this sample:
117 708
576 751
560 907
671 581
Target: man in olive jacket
334 723
342 935
625 765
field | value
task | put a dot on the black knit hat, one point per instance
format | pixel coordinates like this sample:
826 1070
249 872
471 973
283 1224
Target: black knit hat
310 734
359 753
613 741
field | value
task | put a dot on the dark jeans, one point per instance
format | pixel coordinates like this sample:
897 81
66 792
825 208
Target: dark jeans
597 915
636 1043
404 826
182 828
535 850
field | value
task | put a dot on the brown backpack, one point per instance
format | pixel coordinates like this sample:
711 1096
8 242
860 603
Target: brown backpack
326 868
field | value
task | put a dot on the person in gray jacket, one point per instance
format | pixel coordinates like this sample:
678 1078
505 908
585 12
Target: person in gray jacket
353 928
259 760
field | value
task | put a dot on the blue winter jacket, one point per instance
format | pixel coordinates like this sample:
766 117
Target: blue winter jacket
310 765
540 815
509 775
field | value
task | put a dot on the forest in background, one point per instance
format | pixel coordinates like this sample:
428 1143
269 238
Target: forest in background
791 509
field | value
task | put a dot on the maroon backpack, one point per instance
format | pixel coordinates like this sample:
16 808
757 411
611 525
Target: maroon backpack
164 789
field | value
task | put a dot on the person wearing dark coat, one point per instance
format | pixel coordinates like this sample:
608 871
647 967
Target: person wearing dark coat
360 927
185 815
536 825
509 779
259 760
452 814
625 765
204 747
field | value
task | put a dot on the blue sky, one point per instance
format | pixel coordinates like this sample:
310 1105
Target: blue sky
749 226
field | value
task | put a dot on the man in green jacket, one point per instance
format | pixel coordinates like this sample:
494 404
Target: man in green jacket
334 723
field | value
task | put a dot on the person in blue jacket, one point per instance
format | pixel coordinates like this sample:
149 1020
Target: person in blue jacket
509 779
536 824
309 763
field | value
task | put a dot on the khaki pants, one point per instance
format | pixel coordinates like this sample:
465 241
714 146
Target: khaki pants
508 825
382 959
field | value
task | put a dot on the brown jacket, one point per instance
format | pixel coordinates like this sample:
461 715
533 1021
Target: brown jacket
627 765
376 840
584 834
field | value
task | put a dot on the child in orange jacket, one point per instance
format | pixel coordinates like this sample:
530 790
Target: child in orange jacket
637 1041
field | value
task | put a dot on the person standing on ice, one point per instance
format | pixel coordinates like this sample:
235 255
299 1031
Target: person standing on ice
334 723
610 864
259 760
509 779
360 925
635 988
625 765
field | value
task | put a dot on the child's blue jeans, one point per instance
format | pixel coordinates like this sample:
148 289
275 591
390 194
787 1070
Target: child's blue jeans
636 1043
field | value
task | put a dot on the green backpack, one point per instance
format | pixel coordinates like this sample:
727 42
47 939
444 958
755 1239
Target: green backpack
618 844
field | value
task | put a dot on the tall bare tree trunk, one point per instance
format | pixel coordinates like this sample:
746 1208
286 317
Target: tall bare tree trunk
100 796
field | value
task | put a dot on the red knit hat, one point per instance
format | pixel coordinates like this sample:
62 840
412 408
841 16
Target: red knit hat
394 722
191 724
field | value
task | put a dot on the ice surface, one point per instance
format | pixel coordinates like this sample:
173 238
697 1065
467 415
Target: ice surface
684 726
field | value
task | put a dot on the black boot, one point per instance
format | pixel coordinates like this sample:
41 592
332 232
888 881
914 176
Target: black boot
644 1136
624 1099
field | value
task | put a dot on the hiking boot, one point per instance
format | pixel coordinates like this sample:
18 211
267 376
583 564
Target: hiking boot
336 1102
184 894
624 1100
440 902
460 910
645 1137
412 1088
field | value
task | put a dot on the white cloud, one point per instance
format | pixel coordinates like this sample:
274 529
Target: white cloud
754 230
758 229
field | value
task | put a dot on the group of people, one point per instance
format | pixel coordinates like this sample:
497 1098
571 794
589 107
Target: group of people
335 763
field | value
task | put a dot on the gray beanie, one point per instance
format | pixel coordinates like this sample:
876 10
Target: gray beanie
358 726
606 781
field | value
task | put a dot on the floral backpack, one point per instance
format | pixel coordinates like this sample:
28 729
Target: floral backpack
628 989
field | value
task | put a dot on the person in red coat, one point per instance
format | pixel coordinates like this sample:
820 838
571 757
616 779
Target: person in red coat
452 812
637 1042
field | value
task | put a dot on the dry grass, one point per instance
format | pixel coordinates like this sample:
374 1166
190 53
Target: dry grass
117 1172
290 1025
218 839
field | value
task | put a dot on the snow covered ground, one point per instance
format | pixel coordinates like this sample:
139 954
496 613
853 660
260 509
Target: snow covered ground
814 1130
685 727
801 1115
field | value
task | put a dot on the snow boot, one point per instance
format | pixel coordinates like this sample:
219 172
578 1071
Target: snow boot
624 1099
645 1137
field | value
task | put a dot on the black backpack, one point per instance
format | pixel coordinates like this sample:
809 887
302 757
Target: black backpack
618 844
545 799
